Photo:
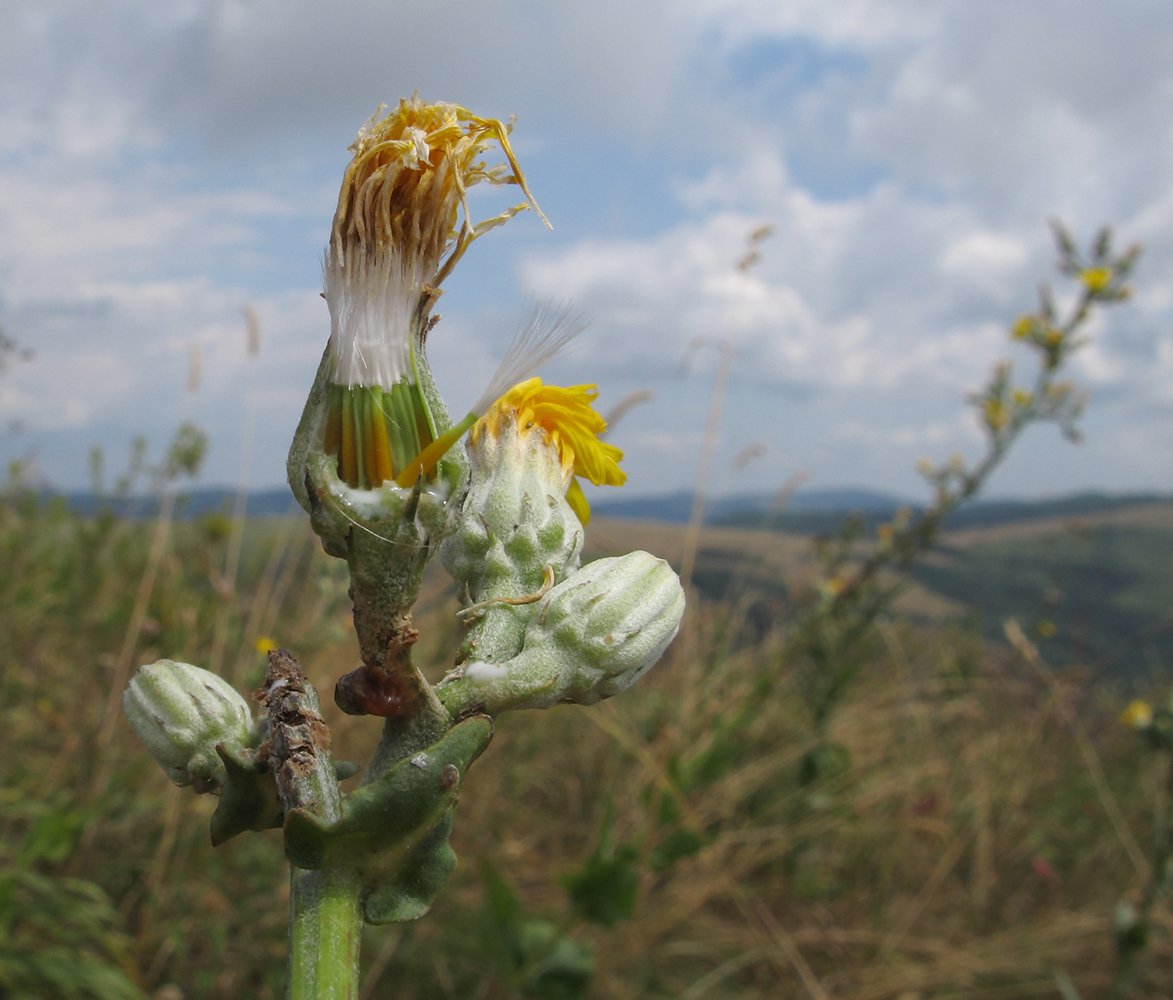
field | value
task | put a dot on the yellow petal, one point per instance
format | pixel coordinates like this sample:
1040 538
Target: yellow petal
578 503
566 414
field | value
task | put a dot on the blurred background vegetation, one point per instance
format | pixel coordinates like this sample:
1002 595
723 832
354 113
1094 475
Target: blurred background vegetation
883 759
971 824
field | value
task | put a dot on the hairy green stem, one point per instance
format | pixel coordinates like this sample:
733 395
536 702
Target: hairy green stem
325 934
407 735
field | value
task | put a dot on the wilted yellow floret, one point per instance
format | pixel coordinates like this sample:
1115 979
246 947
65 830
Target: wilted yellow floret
409 176
401 225
265 644
566 415
1138 715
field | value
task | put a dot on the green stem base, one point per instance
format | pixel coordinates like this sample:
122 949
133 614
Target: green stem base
325 934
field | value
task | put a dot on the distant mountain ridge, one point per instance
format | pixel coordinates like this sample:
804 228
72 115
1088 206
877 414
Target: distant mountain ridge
797 518
676 507
189 503
808 511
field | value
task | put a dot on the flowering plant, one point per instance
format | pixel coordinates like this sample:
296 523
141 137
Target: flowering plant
374 465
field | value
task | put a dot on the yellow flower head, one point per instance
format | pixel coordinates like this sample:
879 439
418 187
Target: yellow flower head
1138 715
566 416
1024 326
1096 278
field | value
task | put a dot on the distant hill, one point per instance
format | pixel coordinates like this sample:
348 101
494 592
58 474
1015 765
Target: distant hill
1089 578
807 512
799 519
676 508
189 503
1092 590
1089 575
670 508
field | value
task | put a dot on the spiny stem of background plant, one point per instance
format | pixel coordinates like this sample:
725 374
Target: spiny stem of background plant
270 591
134 629
227 582
728 347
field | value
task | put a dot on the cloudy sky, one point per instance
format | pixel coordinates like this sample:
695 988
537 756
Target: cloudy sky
161 164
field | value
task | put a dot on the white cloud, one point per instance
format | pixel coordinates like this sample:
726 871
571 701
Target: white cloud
34 395
162 163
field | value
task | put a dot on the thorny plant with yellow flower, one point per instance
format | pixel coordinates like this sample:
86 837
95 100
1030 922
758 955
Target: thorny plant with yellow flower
373 463
860 578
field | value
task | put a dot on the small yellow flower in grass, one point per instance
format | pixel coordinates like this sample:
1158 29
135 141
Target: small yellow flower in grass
1138 715
566 415
831 588
1096 279
265 645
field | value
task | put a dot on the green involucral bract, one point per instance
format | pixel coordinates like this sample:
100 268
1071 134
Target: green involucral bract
514 524
338 511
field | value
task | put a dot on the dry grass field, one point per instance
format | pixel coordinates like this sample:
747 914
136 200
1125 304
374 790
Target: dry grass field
974 822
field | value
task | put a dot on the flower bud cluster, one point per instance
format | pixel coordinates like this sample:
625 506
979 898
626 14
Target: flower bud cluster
544 631
591 637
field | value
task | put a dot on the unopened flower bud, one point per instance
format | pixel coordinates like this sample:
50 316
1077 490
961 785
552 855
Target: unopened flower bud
516 522
593 636
181 713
